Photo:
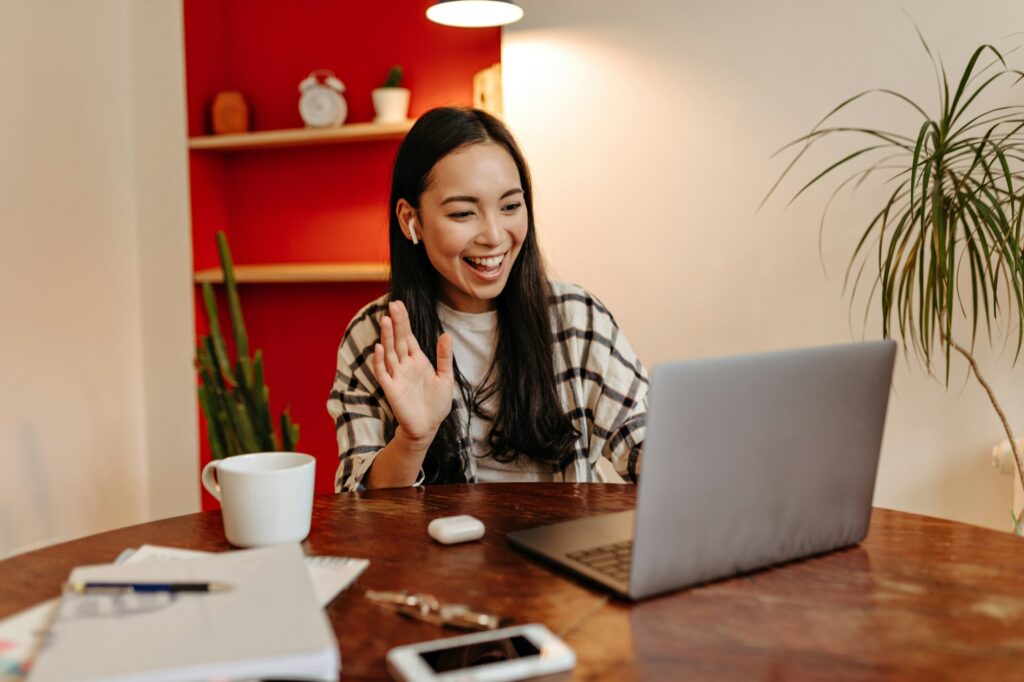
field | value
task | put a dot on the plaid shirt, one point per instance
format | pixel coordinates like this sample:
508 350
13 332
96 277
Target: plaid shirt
601 383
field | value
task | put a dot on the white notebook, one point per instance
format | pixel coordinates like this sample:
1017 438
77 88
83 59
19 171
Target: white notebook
20 636
269 625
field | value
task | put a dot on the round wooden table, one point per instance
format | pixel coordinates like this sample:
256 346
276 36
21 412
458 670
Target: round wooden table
921 598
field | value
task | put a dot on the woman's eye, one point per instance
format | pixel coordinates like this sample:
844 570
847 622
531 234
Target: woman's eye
513 207
460 214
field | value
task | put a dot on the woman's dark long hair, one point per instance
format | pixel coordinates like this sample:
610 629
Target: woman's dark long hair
529 419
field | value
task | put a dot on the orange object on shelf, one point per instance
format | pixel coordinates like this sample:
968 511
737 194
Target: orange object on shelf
229 113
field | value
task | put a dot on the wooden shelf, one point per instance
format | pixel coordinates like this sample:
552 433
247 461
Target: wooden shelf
300 137
272 273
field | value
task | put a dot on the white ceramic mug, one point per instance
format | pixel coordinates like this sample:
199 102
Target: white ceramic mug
266 497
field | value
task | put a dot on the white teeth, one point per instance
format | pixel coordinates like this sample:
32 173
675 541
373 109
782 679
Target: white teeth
492 262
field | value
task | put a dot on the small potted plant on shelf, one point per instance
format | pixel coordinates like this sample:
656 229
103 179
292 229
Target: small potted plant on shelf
391 100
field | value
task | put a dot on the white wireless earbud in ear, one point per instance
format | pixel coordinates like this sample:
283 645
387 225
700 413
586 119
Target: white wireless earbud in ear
412 231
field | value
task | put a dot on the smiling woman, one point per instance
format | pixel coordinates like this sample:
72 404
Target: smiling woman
476 367
473 224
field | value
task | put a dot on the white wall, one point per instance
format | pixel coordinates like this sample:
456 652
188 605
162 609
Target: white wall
78 269
165 257
649 126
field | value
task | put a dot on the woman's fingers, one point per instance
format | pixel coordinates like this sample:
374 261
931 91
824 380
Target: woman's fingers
402 329
414 345
387 339
380 370
444 357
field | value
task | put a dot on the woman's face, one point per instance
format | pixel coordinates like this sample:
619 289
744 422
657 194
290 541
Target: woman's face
474 221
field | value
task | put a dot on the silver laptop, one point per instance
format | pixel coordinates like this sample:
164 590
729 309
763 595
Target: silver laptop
749 461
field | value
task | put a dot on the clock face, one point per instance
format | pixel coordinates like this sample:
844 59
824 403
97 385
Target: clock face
322 107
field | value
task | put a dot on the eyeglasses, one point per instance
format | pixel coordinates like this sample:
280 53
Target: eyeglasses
428 608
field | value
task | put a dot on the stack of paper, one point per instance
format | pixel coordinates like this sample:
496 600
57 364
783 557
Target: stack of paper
268 625
21 633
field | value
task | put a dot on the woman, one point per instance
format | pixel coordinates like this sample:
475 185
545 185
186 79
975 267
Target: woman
475 367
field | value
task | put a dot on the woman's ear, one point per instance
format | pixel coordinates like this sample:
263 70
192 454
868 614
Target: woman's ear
407 220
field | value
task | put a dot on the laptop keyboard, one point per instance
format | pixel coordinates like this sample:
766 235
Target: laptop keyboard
613 560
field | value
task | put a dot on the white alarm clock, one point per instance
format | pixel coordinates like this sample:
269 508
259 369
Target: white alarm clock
321 104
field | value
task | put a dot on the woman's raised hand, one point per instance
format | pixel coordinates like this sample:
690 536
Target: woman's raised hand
419 396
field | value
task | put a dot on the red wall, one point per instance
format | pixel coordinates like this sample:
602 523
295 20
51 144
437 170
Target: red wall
314 203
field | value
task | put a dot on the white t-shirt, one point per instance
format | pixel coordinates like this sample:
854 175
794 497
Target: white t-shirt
474 339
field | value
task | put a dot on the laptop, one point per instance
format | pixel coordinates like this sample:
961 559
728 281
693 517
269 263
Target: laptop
748 462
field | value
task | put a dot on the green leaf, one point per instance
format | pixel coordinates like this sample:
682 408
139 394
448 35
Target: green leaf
1010 256
235 400
219 350
955 114
833 167
246 433
217 376
213 430
234 304
218 404
289 432
815 135
916 161
947 241
249 399
262 403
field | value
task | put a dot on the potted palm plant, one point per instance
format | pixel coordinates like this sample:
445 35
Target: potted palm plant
946 241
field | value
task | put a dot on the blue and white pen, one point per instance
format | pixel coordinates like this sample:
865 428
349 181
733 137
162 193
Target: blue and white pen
93 587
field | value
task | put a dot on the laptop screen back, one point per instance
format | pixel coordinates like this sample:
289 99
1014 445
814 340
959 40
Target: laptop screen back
756 460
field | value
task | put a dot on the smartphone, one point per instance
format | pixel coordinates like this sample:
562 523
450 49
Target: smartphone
513 653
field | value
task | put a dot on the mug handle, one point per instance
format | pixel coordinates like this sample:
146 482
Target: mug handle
209 479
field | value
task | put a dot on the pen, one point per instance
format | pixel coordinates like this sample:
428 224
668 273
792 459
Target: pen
87 587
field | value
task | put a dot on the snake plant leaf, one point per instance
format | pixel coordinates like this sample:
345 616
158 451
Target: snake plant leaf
213 433
246 430
207 400
262 402
216 376
234 396
234 304
256 396
289 431
249 399
219 401
219 350
232 443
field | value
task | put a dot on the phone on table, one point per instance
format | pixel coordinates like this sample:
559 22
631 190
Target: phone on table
514 653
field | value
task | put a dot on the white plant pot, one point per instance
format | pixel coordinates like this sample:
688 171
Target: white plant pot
391 105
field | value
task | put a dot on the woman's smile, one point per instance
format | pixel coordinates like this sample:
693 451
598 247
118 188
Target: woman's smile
486 267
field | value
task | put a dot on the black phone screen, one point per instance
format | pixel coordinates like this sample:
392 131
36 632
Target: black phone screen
481 653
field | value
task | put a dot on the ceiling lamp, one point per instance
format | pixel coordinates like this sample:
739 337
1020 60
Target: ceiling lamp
474 13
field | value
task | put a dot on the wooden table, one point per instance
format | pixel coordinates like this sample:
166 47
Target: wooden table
921 598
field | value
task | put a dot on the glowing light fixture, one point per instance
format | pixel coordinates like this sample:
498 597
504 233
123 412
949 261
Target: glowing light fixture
474 13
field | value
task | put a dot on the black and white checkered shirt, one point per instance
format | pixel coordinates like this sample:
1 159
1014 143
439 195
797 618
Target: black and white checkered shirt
601 383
